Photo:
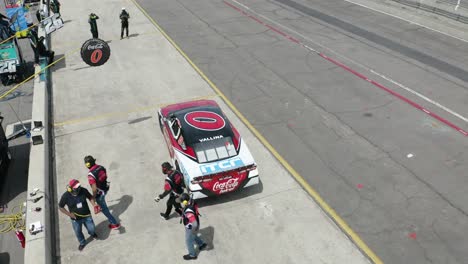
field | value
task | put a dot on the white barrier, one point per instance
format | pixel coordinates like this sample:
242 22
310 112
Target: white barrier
39 245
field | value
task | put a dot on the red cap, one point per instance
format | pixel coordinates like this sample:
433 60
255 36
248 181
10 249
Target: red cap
74 183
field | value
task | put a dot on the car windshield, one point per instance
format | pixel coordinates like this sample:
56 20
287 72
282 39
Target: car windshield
216 149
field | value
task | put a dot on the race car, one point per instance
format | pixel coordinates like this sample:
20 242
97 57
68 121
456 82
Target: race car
206 148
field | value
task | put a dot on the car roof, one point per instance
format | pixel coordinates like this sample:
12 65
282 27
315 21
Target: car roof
192 134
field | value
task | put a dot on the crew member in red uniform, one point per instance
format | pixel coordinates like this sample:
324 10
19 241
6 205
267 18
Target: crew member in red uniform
97 178
174 186
191 220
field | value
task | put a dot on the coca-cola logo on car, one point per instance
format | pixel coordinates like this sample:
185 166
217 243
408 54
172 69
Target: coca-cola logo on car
227 186
228 182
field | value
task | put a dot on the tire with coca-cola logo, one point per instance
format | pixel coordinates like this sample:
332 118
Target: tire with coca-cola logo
95 52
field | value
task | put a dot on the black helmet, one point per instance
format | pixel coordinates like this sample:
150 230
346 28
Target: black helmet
89 161
166 167
183 197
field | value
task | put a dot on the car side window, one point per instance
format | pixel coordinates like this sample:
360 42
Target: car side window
176 130
174 124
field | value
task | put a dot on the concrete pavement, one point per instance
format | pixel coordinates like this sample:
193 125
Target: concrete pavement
349 139
109 112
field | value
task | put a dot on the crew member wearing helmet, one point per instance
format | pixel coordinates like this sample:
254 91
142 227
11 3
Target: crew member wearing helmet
97 179
124 16
92 22
174 186
191 220
78 211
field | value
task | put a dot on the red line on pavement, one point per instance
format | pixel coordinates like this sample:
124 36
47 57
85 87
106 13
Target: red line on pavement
348 69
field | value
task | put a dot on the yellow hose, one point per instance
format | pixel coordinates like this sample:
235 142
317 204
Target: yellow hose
13 221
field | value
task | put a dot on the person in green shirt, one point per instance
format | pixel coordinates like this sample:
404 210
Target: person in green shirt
92 22
55 6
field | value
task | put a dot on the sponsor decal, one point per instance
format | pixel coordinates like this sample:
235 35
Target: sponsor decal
205 120
227 186
230 182
210 138
95 52
221 166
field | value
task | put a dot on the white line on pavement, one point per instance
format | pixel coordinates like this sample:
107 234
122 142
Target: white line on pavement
357 63
407 20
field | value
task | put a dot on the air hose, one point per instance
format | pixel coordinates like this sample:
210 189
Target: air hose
13 221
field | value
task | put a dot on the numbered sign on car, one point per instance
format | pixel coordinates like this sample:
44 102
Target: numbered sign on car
95 52
52 23
8 66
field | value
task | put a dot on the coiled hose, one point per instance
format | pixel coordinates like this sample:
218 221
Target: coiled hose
13 221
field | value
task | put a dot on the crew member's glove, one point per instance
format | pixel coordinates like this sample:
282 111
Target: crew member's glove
97 209
189 226
157 198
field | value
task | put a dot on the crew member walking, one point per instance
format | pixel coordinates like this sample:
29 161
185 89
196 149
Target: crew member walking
124 16
174 186
97 178
78 211
191 221
92 22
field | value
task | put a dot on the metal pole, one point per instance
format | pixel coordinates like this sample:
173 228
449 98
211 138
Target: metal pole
17 117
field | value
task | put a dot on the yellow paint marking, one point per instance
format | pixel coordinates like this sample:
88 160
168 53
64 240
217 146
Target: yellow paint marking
124 113
73 43
330 211
33 76
36 74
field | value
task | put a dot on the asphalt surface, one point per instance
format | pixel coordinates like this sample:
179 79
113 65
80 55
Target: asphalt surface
110 112
394 173
15 107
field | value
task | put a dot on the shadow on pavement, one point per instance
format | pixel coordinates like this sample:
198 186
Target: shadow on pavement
133 35
81 68
236 195
141 119
60 64
207 234
16 180
4 258
102 229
